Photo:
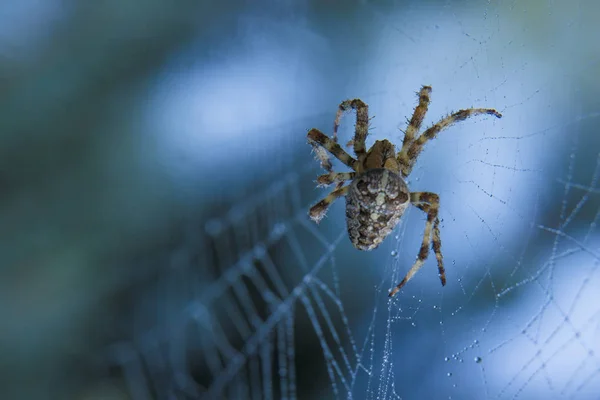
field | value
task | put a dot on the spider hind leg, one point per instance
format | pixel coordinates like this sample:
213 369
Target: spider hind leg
318 211
429 203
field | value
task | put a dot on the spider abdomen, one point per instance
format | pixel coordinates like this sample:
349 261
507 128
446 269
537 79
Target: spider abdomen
374 204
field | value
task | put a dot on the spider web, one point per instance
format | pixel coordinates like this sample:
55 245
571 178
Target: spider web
257 302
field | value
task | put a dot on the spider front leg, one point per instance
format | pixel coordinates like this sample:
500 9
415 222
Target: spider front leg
429 203
316 137
362 125
414 125
417 145
322 157
317 212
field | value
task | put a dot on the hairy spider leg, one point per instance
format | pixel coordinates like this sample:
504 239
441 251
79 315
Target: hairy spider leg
362 125
436 242
317 212
322 156
331 177
414 125
318 137
429 203
415 148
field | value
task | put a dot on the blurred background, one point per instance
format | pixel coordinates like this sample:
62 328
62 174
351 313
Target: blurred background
155 181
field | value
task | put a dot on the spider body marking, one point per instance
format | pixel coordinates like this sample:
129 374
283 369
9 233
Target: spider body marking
377 195
375 203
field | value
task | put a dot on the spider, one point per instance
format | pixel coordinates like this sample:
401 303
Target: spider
377 195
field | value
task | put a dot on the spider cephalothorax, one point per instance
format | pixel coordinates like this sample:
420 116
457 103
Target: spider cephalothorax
378 195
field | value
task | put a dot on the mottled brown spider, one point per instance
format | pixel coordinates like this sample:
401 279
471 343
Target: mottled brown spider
377 195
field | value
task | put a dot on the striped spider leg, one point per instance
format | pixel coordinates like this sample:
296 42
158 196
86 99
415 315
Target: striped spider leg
322 142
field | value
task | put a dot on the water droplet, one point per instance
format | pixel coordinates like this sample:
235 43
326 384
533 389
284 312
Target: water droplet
413 324
394 253
449 374
434 307
475 341
446 359
478 360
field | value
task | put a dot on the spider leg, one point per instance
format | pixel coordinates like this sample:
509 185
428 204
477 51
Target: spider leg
331 177
420 200
417 145
317 212
436 243
316 137
362 125
322 157
414 125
